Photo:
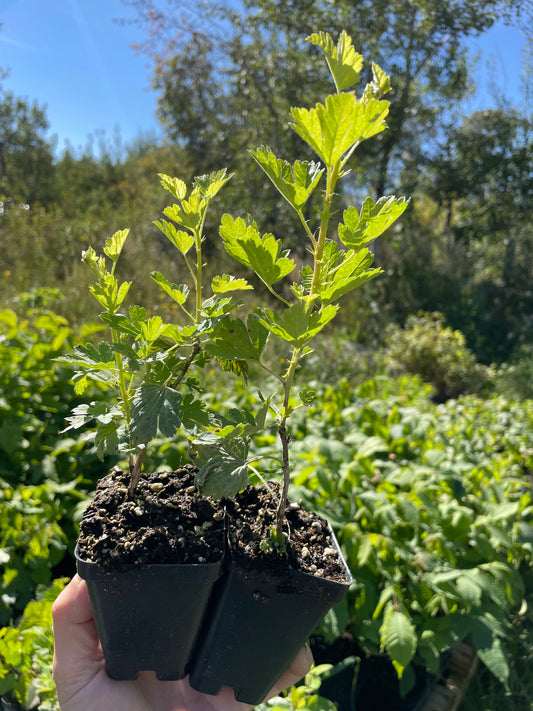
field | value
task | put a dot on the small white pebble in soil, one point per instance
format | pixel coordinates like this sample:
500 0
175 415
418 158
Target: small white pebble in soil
156 487
190 490
330 551
305 552
138 511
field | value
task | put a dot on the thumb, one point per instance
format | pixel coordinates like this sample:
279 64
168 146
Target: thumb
298 669
77 651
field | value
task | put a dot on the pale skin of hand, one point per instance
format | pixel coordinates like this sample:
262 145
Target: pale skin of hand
83 685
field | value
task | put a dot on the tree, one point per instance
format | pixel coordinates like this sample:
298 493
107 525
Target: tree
26 155
483 178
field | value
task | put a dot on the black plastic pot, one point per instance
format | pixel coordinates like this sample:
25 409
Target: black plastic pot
256 626
148 618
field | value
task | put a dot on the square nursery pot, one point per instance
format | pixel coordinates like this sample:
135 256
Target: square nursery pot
149 617
256 626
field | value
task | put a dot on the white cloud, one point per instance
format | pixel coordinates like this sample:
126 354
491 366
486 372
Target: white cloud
17 43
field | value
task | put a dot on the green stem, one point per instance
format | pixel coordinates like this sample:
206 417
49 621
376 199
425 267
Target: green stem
123 388
198 280
318 254
199 266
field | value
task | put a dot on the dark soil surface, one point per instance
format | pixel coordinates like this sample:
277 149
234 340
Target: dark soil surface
170 522
167 522
309 546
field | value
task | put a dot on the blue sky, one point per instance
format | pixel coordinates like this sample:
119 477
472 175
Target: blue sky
73 57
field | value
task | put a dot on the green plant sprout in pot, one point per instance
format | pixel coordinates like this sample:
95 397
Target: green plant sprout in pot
280 569
306 575
151 547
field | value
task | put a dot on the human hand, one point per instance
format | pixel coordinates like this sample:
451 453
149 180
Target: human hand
83 685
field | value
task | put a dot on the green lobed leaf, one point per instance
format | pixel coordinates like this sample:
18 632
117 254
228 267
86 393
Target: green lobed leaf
128 352
182 240
296 326
155 408
188 214
344 62
96 263
259 253
175 186
109 294
348 275
210 184
178 293
102 412
90 355
233 340
332 129
307 395
113 246
121 323
194 413
152 328
106 439
361 228
294 183
137 315
380 81
222 470
226 282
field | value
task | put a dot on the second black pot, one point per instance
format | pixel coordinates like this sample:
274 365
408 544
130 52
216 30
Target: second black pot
256 626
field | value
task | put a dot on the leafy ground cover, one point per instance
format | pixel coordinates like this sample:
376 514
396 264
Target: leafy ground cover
434 515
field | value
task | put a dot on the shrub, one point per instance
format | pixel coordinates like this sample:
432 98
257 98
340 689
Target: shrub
515 378
437 354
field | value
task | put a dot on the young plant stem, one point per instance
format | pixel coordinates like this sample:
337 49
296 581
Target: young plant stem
198 279
135 471
318 254
135 462
284 439
121 378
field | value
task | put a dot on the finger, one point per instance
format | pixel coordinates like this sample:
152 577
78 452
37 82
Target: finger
296 670
75 638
